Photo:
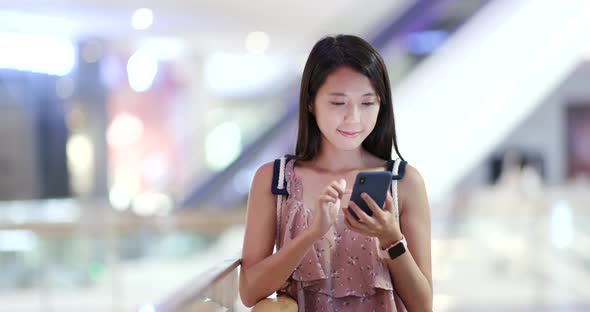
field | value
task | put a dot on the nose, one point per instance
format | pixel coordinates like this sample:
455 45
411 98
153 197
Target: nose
353 113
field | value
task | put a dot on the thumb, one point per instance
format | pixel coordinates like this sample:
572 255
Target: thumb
343 183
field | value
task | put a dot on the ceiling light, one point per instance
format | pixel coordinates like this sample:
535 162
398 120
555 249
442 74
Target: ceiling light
142 19
257 42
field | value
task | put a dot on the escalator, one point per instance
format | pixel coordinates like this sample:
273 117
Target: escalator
484 81
446 16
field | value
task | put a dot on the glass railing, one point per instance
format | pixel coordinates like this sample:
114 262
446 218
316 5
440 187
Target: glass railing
69 255
503 247
511 248
514 248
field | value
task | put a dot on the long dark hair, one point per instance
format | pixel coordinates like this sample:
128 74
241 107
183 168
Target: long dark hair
326 55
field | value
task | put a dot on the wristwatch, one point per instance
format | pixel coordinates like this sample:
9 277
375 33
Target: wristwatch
397 248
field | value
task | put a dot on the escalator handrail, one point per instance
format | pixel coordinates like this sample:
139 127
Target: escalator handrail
193 289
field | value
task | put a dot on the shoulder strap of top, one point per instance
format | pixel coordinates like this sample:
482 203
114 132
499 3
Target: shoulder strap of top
278 177
279 188
399 173
398 169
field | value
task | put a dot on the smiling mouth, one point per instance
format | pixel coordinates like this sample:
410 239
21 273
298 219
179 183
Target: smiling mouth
349 134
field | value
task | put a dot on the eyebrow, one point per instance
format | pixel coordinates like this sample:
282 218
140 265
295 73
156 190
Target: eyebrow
344 94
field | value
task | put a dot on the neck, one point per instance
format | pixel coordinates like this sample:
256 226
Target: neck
332 159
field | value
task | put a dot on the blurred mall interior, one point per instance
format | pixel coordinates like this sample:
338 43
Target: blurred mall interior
130 132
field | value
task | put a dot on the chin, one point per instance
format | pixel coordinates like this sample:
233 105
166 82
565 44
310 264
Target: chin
344 143
348 146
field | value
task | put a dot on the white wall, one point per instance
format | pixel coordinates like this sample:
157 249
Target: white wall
544 130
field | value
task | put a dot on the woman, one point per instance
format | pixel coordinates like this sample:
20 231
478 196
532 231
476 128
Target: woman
326 259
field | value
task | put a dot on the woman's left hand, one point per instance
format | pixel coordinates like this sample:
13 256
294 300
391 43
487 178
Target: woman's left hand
382 224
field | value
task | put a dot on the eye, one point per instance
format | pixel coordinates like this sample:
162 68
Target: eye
337 103
368 103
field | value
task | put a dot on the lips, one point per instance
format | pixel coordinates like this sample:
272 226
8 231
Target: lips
349 134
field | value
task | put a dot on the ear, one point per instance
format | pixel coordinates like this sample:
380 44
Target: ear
310 108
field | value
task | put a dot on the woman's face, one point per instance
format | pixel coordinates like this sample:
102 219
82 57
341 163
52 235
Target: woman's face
346 108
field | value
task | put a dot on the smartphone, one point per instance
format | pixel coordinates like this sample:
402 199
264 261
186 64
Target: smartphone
374 183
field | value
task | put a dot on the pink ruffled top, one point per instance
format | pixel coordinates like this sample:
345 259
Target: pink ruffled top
342 271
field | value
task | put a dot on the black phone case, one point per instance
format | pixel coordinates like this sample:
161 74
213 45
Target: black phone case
374 183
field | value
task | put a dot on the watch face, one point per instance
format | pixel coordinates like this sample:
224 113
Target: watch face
396 251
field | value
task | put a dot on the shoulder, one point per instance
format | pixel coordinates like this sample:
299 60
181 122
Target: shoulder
264 173
412 184
412 178
260 195
269 174
265 169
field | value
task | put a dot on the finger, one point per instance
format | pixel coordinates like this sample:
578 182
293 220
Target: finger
349 221
342 185
350 226
388 203
377 212
327 199
363 217
359 225
339 186
330 190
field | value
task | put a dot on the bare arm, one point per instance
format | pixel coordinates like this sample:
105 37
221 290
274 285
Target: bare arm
263 272
412 271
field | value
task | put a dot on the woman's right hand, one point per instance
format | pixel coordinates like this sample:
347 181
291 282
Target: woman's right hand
327 207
